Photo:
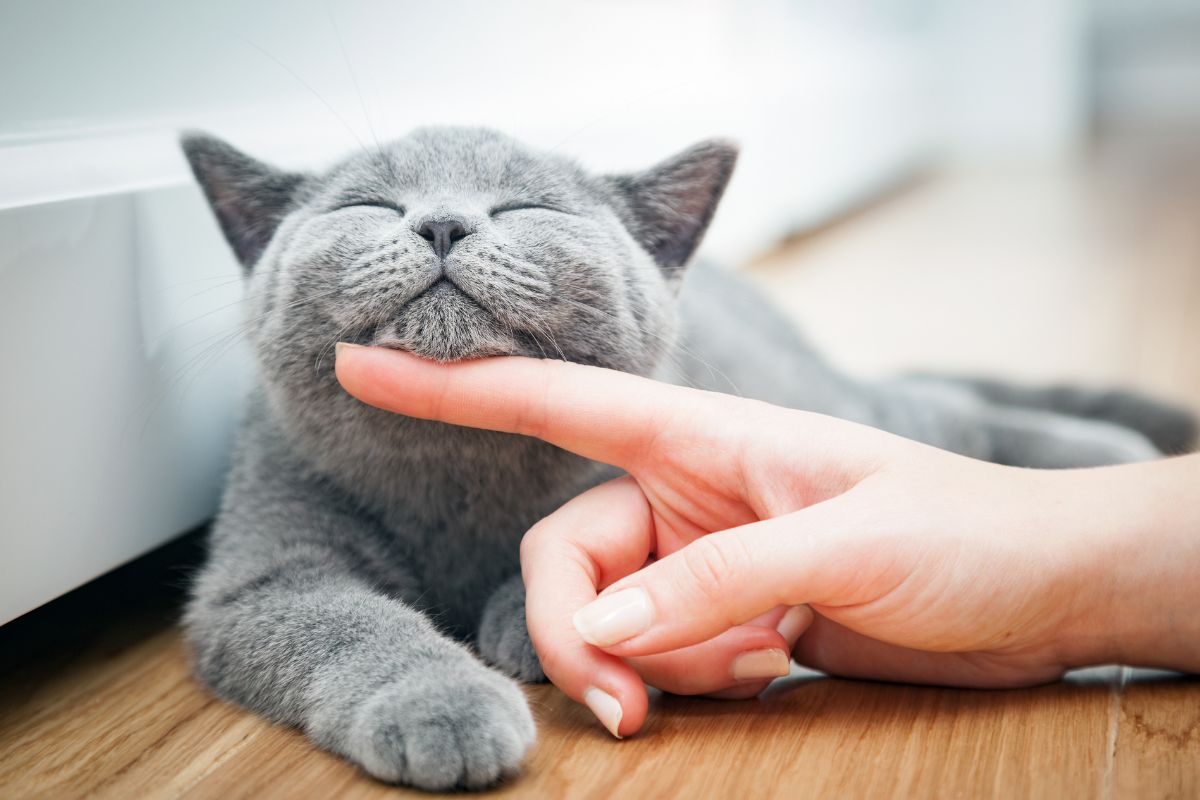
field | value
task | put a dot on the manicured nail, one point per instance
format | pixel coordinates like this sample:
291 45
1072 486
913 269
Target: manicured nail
794 622
606 708
614 618
770 662
340 346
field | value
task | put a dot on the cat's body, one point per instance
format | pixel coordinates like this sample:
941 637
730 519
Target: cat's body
358 555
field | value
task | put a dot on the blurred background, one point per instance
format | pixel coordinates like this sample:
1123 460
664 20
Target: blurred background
1005 188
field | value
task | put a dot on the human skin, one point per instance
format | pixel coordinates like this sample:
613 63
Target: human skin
898 561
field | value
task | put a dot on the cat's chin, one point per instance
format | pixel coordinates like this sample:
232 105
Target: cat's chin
444 352
444 324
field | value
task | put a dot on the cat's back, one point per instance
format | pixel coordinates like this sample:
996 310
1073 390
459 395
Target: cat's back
734 340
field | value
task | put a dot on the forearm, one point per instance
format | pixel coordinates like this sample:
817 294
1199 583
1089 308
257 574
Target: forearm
278 642
1139 537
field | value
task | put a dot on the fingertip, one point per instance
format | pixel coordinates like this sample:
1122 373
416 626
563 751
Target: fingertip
393 380
609 687
343 363
794 623
618 699
635 705
357 368
606 708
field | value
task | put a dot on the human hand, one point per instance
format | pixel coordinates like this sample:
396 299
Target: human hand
919 565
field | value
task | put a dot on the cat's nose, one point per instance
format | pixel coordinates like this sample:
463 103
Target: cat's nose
442 234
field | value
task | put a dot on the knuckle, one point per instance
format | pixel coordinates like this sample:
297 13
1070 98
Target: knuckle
710 563
531 542
545 536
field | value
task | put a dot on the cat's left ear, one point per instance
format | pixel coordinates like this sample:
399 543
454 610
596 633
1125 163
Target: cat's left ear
249 198
669 206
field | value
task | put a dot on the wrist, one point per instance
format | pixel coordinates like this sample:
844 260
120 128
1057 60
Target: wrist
1134 532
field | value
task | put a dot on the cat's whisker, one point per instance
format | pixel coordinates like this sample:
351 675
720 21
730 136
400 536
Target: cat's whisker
544 330
671 342
353 79
331 346
217 310
216 287
215 347
152 404
223 277
320 98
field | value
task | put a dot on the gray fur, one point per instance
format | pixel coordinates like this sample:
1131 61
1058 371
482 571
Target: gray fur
358 555
503 639
1171 428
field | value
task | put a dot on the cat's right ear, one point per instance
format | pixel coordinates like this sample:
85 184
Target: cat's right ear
668 207
249 198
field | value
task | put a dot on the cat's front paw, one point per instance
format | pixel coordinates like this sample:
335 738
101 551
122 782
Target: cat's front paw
503 638
445 732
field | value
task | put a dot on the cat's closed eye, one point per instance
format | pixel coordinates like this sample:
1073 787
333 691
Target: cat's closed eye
508 207
370 204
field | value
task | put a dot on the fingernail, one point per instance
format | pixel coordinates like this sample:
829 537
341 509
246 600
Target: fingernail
340 346
770 662
606 708
614 618
794 622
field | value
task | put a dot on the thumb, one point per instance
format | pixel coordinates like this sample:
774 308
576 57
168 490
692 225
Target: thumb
726 579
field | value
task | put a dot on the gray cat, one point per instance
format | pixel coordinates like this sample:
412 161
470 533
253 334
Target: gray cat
359 558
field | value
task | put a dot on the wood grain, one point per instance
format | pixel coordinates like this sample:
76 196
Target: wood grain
132 723
1159 739
1091 272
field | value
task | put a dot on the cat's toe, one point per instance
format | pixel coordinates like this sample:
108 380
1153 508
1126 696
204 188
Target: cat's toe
503 638
512 653
460 735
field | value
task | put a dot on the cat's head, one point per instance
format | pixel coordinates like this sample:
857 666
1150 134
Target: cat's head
456 243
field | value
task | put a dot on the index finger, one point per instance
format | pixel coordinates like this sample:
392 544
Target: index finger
597 413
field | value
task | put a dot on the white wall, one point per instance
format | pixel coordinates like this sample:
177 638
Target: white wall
121 375
619 84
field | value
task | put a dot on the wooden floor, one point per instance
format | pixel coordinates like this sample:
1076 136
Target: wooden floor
1091 272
